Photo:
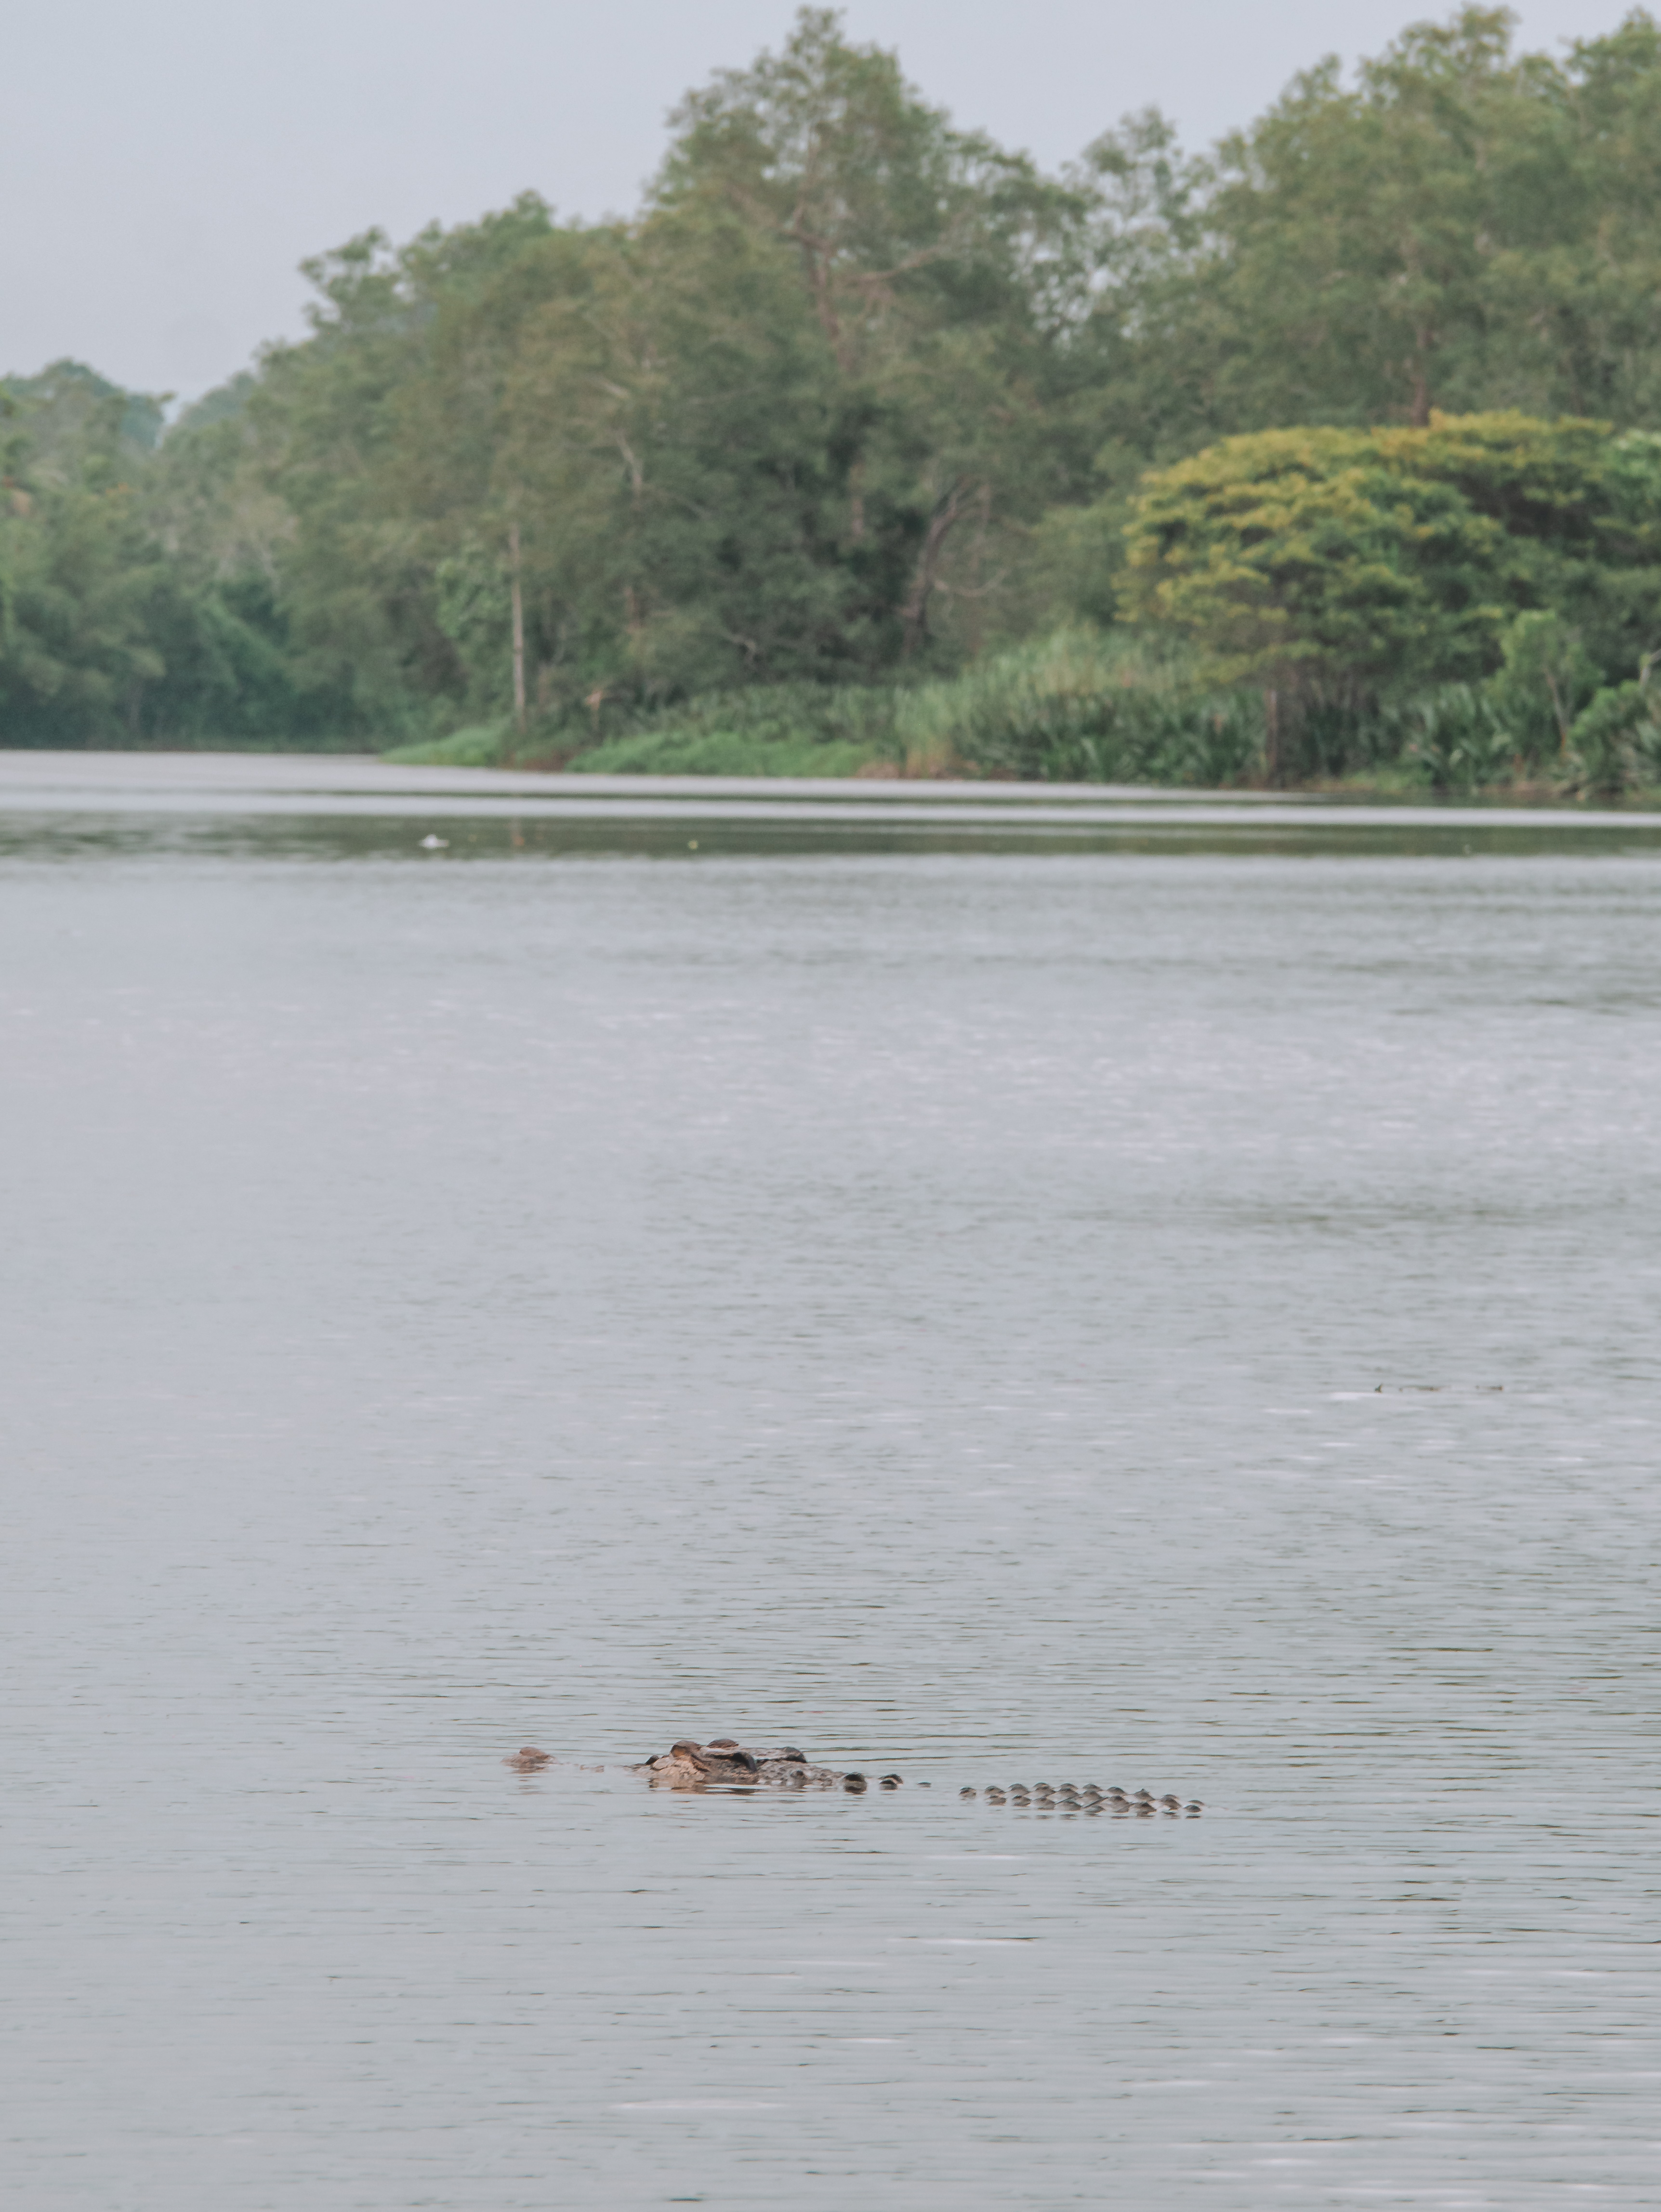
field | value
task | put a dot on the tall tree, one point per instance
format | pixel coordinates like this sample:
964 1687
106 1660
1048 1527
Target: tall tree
1462 227
930 258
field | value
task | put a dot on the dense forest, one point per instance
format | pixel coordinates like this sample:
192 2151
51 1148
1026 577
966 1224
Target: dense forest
1336 450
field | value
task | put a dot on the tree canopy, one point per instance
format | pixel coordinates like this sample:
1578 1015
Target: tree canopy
857 396
1402 556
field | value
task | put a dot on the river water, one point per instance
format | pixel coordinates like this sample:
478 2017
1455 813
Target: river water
994 1299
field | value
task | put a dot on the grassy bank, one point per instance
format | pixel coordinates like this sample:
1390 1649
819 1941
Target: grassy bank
1097 706
1079 706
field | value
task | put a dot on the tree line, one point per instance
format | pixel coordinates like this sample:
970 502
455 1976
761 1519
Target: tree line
860 402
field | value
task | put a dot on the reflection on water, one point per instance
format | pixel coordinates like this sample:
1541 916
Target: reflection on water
1180 1321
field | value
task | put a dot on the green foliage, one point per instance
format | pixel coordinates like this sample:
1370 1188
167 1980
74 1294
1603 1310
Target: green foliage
77 586
1341 570
830 450
723 752
1080 705
1545 676
71 412
1304 558
776 729
1076 707
818 729
472 605
1456 738
138 596
1614 741
1458 228
783 426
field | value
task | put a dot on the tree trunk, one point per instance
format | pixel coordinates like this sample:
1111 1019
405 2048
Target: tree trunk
914 615
518 627
1424 342
856 503
977 566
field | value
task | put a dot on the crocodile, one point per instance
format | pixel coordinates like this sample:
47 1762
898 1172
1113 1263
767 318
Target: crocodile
725 1761
1087 1797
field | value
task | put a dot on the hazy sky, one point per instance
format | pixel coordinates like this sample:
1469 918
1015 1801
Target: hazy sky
164 168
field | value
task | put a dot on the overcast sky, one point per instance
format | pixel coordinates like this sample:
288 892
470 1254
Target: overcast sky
163 167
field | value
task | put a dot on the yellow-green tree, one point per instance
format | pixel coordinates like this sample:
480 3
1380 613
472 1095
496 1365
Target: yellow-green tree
1329 563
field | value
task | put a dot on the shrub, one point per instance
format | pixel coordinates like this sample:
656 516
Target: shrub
1615 741
1384 562
1456 738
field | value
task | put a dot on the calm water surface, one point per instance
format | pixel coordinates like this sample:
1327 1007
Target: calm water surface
1187 1319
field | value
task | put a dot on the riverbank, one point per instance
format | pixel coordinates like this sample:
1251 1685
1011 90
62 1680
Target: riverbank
1393 784
1097 707
475 751
343 807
